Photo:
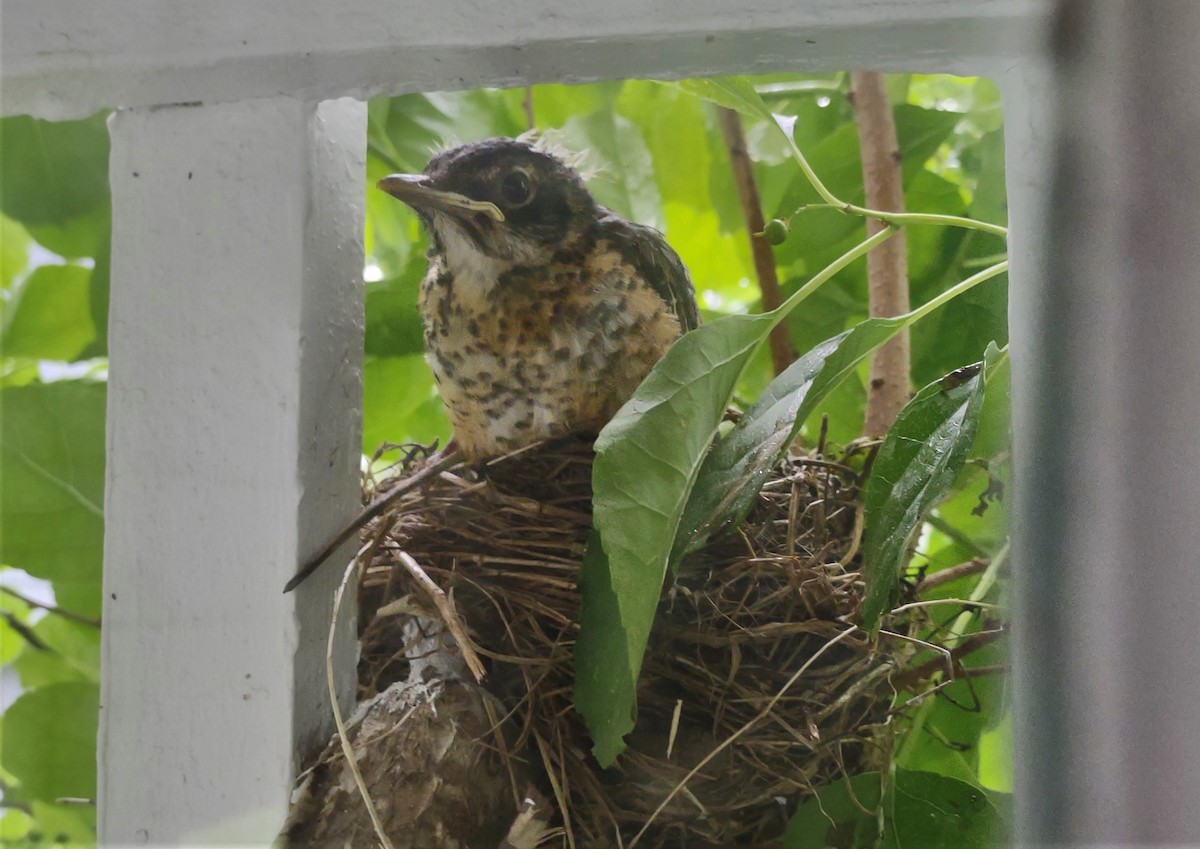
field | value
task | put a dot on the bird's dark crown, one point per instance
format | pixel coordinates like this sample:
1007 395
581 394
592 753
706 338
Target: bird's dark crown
542 198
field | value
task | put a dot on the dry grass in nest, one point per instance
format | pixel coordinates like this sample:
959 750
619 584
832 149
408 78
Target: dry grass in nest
756 687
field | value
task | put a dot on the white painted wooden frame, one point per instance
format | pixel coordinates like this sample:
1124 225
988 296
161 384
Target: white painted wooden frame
236 333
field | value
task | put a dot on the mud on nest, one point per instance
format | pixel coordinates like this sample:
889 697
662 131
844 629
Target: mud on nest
719 687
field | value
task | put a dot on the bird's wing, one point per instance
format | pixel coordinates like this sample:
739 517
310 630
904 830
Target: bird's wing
656 261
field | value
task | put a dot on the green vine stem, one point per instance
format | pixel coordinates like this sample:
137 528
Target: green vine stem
832 201
958 288
902 218
819 279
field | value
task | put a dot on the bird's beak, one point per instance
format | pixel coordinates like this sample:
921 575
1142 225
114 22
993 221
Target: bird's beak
417 191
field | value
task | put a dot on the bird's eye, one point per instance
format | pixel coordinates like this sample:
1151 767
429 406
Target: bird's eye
517 189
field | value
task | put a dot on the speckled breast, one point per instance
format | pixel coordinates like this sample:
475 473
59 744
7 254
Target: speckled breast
525 354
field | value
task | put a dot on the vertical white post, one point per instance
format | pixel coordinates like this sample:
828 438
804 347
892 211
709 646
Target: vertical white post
233 446
1107 445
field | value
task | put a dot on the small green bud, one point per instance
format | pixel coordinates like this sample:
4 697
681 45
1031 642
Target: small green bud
776 231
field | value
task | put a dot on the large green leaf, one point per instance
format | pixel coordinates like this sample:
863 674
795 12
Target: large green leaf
54 180
53 317
918 461
734 471
919 809
51 172
647 460
50 741
52 489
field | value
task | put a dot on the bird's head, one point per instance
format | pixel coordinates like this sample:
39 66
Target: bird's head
496 202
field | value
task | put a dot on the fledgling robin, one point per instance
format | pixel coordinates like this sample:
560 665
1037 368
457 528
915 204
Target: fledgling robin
543 310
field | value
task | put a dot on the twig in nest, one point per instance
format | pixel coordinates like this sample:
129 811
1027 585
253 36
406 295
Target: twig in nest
969 644
446 611
855 536
968 605
728 741
347 749
374 509
530 824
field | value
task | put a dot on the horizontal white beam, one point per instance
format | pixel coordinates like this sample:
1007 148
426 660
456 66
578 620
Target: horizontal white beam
67 58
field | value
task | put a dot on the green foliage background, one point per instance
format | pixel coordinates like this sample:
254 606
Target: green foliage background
658 157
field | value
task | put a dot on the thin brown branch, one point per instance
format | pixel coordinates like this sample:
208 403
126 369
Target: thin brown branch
50 608
450 617
527 105
24 631
953 573
376 508
782 352
887 265
969 644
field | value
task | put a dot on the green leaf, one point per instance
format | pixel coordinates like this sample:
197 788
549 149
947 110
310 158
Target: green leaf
949 741
399 405
98 298
834 817
731 92
935 812
734 471
605 672
52 489
996 756
990 202
646 460
50 741
673 127
12 642
920 809
555 104
393 320
53 318
14 826
14 251
625 182
73 655
916 464
51 172
68 825
82 236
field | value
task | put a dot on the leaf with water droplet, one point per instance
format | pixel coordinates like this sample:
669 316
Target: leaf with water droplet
917 463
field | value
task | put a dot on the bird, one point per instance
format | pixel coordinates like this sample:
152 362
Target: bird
542 309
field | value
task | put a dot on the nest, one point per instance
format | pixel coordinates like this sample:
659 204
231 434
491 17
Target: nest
755 690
